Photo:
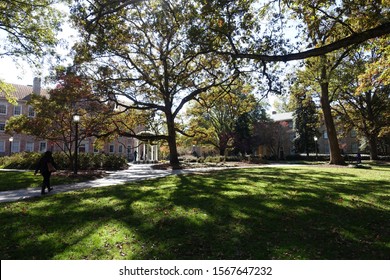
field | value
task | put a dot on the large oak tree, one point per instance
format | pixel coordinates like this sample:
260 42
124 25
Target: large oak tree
142 59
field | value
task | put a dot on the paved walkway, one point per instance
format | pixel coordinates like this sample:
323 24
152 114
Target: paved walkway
134 173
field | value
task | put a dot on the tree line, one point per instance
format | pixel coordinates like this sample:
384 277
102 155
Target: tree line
156 58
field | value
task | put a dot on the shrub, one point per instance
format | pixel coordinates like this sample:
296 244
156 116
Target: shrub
201 160
25 160
216 159
255 159
28 160
112 162
234 158
97 161
62 161
86 161
188 158
295 157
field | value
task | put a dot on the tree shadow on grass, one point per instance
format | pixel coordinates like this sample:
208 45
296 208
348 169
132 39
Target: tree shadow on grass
235 214
305 217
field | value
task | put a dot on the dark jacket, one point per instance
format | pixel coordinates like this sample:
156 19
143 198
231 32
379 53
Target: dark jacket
42 165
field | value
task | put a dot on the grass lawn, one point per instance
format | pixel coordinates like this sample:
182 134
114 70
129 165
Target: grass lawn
14 180
265 213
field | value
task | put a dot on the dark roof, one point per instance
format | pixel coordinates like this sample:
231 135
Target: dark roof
22 92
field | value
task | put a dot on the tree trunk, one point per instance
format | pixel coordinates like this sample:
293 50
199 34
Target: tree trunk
373 147
335 153
371 131
173 155
223 144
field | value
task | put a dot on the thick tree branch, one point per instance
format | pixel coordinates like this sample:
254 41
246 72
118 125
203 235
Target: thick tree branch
357 38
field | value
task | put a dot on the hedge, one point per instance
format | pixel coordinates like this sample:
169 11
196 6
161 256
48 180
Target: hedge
28 160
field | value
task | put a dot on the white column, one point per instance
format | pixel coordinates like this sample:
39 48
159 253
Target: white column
137 145
144 154
149 151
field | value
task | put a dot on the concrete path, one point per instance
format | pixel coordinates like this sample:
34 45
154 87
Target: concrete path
135 172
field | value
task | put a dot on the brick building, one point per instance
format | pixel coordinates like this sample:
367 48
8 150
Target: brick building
21 142
283 144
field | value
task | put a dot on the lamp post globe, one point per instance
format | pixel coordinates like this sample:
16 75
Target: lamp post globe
76 120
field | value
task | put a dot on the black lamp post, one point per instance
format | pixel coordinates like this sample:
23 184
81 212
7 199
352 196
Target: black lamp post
10 145
76 119
316 147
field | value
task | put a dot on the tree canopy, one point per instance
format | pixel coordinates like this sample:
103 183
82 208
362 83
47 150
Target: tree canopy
29 28
363 101
258 30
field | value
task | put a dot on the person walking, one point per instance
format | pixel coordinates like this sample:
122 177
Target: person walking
46 166
358 158
135 156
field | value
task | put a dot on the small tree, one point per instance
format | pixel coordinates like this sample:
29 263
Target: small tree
216 116
363 103
305 123
54 113
244 134
273 136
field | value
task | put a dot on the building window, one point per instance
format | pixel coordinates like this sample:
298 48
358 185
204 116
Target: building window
2 146
15 146
2 126
42 146
112 149
327 149
30 147
325 135
3 109
82 148
355 147
353 133
17 110
128 152
120 149
31 112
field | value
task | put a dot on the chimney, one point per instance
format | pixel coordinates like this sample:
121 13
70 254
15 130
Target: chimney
37 86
